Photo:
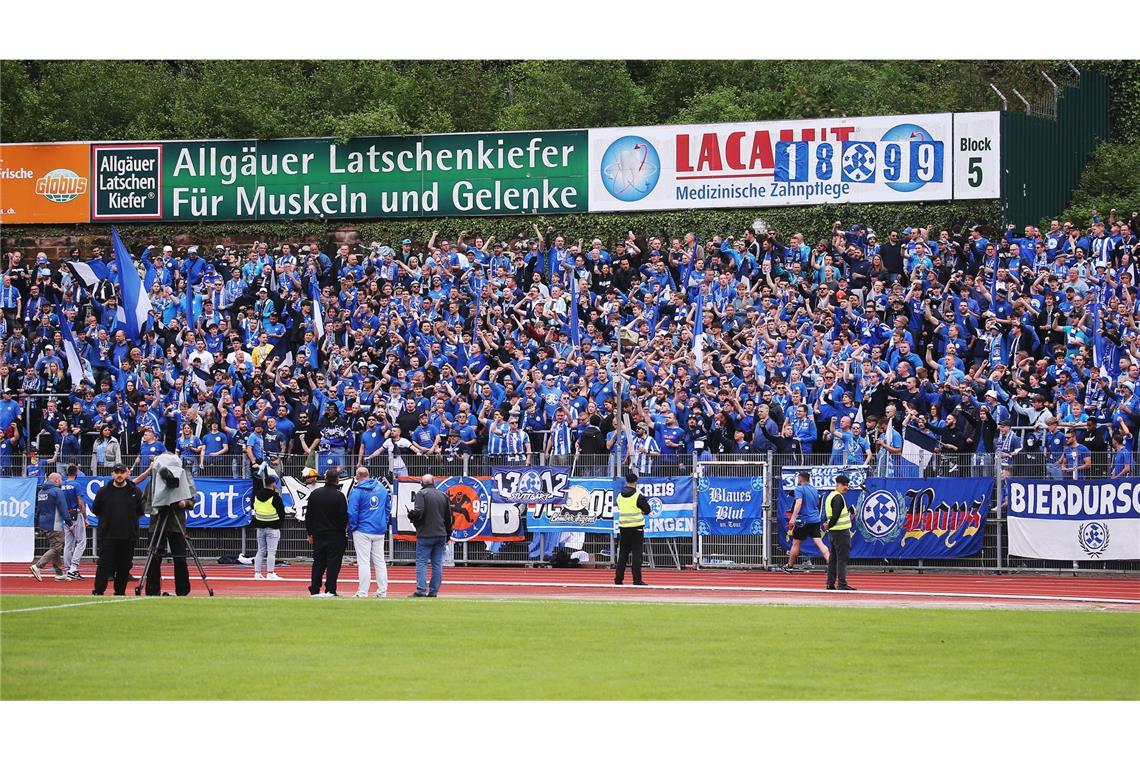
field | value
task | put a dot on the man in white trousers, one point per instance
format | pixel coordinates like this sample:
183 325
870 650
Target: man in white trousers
369 507
75 537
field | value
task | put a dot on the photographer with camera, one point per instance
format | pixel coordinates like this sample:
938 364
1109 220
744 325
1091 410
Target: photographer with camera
171 490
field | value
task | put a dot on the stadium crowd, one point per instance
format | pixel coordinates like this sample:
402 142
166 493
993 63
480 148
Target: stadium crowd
450 348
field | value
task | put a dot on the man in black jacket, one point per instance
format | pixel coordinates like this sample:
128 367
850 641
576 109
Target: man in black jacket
630 509
431 514
118 505
326 528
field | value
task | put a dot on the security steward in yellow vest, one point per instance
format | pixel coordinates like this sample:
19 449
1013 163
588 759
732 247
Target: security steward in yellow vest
632 508
837 518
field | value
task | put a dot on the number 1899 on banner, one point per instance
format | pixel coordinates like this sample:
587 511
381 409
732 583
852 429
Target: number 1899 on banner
904 166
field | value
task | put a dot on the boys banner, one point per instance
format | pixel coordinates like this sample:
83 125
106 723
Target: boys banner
530 485
589 508
900 518
17 519
475 514
1075 519
728 506
221 502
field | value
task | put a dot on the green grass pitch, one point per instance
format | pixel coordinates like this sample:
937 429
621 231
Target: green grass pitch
235 648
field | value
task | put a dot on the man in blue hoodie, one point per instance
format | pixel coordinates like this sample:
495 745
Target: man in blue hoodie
369 507
51 520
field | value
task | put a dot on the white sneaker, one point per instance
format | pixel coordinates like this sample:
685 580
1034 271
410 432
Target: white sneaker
258 577
381 594
272 577
36 572
361 595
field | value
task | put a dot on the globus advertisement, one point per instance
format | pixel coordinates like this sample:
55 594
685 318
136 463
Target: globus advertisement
874 159
45 183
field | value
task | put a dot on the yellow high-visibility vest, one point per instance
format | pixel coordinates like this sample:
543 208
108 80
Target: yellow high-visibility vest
264 510
629 516
844 521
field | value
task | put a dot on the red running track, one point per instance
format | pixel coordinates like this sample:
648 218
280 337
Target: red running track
705 586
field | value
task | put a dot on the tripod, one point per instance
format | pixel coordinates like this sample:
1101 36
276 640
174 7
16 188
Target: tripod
157 531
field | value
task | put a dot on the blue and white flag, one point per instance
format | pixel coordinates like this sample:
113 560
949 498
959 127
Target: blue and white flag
698 330
575 328
89 273
318 318
135 308
918 447
75 366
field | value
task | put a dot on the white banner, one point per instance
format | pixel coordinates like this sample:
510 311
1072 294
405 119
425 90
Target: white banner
977 155
785 163
1074 520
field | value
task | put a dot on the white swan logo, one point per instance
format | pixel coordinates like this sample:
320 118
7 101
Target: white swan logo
630 168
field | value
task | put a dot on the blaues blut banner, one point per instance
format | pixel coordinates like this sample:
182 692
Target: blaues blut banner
221 502
728 506
1074 519
530 485
901 518
589 508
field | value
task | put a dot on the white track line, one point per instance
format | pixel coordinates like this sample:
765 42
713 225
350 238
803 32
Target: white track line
72 604
745 589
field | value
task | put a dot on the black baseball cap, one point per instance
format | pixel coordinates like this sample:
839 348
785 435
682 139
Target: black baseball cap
119 467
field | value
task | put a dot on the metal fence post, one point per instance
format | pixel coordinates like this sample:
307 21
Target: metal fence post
999 510
696 552
770 487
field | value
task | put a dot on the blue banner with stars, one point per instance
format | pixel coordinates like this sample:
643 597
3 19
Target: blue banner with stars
903 518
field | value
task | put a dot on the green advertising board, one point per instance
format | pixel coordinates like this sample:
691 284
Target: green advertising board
363 178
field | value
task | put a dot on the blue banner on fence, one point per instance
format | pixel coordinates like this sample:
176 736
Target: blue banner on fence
589 508
17 502
530 485
221 502
671 503
901 518
729 506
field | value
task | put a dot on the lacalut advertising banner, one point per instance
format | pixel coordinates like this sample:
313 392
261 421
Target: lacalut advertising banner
879 159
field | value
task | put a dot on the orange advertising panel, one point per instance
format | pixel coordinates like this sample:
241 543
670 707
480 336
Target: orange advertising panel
47 183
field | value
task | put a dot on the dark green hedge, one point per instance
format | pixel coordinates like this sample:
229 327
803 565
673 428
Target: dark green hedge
814 221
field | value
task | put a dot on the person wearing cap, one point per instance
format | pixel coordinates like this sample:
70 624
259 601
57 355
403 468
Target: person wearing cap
631 507
837 516
118 505
643 450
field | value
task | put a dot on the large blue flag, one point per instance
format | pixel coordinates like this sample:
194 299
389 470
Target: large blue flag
575 328
318 318
698 330
135 308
